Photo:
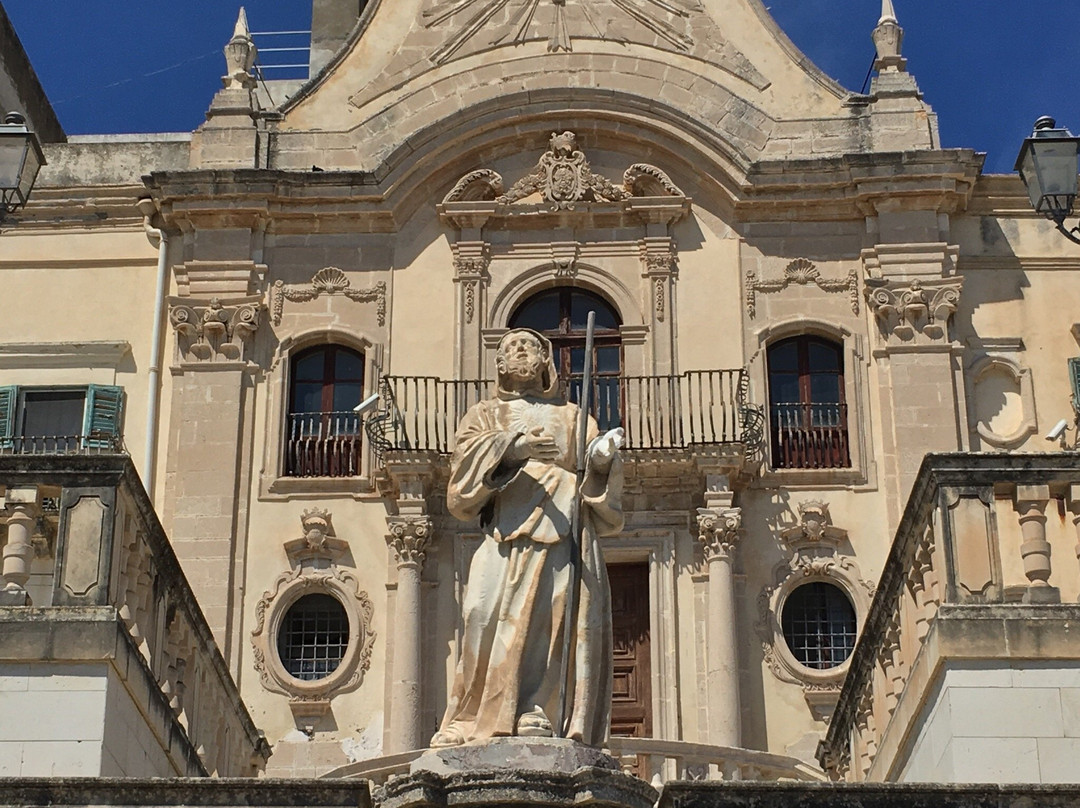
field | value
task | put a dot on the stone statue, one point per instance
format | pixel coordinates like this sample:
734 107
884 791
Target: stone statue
514 467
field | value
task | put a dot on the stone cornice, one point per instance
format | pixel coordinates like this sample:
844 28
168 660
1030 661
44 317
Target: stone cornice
859 185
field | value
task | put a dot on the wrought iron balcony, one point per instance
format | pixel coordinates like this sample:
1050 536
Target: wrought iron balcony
696 408
94 443
809 436
323 444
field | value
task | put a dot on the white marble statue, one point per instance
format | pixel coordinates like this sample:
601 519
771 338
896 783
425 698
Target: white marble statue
514 467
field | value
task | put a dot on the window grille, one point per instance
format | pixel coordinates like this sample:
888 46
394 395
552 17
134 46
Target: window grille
314 637
819 626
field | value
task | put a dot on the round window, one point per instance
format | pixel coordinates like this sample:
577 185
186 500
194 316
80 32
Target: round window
313 638
819 625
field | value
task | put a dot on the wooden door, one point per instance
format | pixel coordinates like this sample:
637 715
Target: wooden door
631 701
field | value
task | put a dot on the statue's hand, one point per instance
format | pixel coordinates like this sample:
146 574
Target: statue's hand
605 447
536 444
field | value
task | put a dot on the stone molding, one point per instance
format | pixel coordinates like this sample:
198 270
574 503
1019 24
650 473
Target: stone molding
914 311
327 281
719 531
217 330
314 569
409 538
813 550
802 272
471 262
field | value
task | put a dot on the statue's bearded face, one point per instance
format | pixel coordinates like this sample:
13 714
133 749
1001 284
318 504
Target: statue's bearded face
522 358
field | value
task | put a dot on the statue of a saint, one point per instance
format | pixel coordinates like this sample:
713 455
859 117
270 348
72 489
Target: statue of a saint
515 467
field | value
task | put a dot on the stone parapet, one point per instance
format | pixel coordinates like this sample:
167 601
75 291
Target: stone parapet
973 549
784 795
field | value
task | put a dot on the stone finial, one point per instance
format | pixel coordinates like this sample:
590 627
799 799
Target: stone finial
240 56
888 36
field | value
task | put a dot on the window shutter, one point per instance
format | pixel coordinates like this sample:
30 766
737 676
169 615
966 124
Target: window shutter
1074 381
102 416
8 399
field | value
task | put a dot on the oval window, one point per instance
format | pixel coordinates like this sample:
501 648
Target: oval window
314 637
819 625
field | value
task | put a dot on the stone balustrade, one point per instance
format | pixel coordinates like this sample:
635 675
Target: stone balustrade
984 554
100 566
655 760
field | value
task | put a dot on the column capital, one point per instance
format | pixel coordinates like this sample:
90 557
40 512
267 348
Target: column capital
409 538
719 531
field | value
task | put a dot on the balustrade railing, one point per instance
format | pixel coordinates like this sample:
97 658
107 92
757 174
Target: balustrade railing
809 436
974 544
111 560
658 412
323 444
652 759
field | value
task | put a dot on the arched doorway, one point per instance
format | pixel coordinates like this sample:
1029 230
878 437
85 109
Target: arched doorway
561 315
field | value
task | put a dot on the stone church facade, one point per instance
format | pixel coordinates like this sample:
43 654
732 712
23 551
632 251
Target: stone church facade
799 295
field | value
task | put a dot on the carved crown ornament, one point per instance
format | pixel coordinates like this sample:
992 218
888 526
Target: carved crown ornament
217 330
812 553
912 311
800 272
563 180
327 281
314 570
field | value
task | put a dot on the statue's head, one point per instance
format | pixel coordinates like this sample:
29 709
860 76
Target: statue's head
524 364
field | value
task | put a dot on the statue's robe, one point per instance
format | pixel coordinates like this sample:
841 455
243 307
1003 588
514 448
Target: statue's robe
511 655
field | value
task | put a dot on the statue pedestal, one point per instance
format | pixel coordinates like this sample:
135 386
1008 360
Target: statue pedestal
524 772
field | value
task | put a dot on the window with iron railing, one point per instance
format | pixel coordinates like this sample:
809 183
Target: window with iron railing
323 434
807 411
561 315
61 419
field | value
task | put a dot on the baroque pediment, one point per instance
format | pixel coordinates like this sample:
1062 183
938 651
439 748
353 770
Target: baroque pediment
563 180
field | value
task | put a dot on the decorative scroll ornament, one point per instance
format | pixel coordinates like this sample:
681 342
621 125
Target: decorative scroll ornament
313 558
813 553
801 272
719 530
214 331
563 176
409 538
328 281
642 179
908 311
481 185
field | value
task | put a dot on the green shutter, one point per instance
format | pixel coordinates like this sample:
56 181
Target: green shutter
8 398
102 416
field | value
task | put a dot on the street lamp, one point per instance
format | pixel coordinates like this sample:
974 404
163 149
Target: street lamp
1048 166
20 161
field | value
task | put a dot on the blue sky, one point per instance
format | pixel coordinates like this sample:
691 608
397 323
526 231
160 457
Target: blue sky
988 67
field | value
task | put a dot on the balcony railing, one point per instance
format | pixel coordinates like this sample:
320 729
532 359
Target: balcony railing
323 444
95 443
809 436
700 407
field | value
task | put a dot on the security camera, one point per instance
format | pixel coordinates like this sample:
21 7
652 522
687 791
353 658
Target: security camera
368 403
1058 431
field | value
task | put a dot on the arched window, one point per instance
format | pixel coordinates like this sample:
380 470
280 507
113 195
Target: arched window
819 625
323 439
807 411
561 315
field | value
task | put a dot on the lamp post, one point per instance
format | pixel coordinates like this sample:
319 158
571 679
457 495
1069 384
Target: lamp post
20 161
1048 165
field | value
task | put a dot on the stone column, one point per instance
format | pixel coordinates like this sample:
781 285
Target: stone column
718 530
1031 503
19 550
408 538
